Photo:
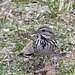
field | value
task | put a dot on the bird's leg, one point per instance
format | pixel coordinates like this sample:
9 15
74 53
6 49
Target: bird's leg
52 65
35 64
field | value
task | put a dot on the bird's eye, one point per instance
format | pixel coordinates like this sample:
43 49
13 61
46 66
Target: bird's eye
43 30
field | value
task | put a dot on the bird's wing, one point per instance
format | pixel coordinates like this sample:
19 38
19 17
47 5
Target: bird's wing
28 49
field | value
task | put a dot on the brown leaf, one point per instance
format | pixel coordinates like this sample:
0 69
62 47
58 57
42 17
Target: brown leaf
49 69
50 72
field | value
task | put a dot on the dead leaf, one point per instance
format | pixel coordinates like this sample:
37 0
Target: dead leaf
50 72
49 69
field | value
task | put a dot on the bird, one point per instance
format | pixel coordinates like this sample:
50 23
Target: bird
43 44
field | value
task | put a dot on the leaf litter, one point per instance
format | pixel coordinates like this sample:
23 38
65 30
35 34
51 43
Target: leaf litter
14 17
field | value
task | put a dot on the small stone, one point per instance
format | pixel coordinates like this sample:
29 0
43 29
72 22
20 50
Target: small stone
6 30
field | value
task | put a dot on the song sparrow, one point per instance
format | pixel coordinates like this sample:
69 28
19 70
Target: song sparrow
43 44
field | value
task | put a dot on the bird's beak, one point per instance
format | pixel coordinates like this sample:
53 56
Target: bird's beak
36 31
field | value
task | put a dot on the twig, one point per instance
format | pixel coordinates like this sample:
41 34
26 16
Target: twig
28 36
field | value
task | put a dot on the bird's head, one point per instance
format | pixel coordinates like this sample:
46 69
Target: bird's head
45 32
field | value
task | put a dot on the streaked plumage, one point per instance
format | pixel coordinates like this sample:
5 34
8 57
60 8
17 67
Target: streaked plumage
44 44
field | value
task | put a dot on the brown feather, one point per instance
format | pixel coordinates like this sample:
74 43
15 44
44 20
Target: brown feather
28 49
44 27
